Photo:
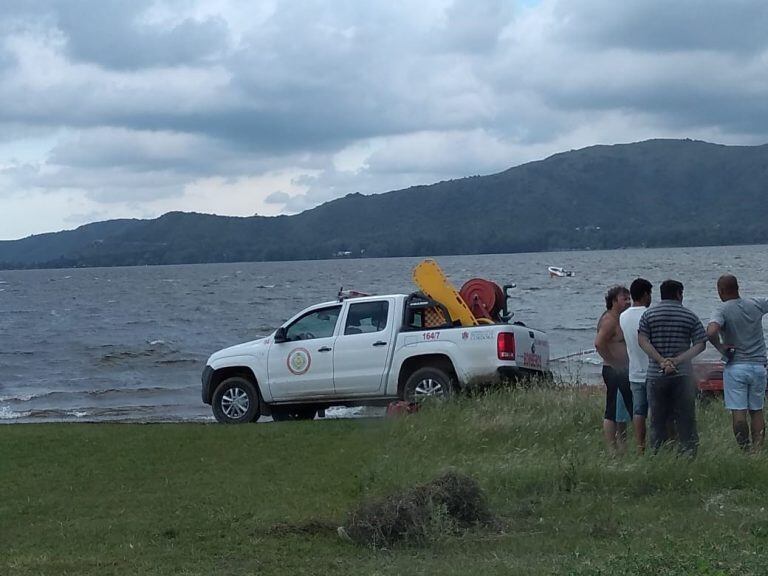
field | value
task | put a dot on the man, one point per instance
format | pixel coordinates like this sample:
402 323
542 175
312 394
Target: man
671 336
612 349
736 330
640 290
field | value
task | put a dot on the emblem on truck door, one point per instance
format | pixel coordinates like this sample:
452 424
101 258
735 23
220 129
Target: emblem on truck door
299 361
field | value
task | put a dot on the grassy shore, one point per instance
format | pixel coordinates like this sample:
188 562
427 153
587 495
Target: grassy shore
265 499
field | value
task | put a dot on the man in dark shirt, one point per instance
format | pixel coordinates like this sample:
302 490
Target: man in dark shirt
672 335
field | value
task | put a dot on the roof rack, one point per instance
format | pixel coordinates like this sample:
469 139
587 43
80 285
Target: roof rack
348 294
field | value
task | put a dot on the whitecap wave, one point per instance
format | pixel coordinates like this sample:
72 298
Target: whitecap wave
7 414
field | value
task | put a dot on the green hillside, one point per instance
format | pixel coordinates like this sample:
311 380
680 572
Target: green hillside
653 193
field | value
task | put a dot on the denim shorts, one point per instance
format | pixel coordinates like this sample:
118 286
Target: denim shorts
744 386
639 398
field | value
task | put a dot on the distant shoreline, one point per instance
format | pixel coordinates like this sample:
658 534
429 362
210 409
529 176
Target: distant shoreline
415 257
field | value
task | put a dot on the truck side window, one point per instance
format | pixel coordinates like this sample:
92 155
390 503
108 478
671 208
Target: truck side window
366 317
316 324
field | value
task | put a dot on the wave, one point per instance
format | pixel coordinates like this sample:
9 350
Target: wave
155 413
154 348
51 394
7 414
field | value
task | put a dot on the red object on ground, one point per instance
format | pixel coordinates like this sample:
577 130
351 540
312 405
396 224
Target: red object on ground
484 298
401 407
708 376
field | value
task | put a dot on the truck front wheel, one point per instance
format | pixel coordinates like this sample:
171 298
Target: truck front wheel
235 401
427 382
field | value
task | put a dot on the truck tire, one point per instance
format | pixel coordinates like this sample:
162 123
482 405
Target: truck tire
236 401
428 382
298 412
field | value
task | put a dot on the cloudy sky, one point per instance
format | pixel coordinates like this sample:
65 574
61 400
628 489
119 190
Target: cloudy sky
130 109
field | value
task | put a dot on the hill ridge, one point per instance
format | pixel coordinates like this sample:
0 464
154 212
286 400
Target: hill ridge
659 192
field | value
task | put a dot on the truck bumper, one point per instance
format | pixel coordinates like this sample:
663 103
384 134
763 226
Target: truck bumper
206 378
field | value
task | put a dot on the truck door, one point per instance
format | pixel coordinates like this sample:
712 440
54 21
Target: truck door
362 347
303 365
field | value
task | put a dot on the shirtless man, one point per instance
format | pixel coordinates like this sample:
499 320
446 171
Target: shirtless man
613 350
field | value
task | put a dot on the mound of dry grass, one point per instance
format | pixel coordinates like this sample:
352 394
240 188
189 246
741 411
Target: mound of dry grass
421 514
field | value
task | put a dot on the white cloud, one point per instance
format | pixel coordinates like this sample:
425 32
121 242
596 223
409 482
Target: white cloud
120 109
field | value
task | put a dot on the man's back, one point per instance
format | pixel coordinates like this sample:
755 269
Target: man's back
671 328
740 320
638 360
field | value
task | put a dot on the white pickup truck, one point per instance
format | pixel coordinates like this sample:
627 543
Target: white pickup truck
364 350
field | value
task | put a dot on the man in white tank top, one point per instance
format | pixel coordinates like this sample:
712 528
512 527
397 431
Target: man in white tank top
640 290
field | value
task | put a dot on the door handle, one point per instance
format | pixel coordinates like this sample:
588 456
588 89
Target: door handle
380 343
324 349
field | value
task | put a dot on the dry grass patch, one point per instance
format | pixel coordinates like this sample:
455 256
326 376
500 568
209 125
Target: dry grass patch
421 514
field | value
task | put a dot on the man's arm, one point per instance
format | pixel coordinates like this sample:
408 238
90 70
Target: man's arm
605 332
649 349
666 364
762 303
689 354
714 335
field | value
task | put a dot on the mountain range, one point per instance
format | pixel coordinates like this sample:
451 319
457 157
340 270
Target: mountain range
652 193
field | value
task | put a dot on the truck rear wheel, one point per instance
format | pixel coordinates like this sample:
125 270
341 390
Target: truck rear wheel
236 401
427 382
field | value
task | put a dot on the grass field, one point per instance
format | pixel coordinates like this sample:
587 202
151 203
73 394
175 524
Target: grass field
265 499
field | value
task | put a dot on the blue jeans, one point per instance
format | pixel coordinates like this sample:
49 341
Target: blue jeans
639 398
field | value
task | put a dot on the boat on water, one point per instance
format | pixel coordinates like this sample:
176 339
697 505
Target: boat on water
557 272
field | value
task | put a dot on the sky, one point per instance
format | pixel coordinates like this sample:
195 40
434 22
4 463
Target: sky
115 109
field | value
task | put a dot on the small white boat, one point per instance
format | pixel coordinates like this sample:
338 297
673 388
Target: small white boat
557 272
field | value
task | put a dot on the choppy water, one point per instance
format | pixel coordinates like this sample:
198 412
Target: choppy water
130 343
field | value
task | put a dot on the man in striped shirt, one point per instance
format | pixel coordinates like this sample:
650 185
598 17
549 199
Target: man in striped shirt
672 336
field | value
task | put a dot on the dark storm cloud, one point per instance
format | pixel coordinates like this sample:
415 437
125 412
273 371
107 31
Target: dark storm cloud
126 99
659 25
114 33
109 33
473 26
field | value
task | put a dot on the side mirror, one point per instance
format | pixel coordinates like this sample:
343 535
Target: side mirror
280 336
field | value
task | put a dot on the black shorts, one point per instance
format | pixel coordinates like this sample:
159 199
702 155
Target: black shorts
617 384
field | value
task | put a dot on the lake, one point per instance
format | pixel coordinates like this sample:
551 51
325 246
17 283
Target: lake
130 343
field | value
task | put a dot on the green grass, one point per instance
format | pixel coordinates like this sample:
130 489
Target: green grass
264 499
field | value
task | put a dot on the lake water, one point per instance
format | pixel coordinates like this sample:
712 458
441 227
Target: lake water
130 343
